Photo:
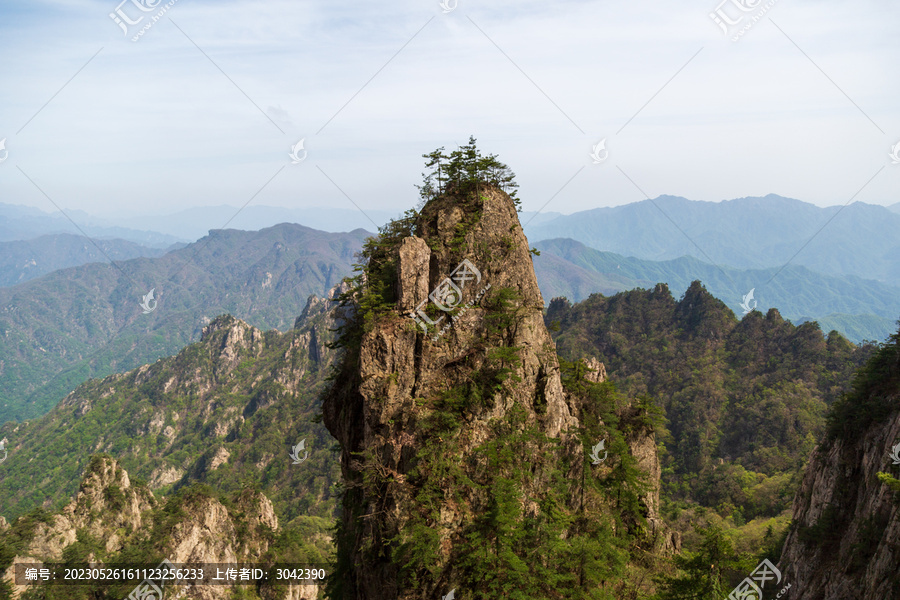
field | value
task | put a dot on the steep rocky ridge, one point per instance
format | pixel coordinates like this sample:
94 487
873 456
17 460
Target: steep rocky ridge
225 411
428 410
106 504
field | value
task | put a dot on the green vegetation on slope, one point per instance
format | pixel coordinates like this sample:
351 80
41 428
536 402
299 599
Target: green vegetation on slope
745 400
225 411
859 309
875 394
63 328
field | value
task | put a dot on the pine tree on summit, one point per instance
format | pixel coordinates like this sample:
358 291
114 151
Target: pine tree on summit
462 170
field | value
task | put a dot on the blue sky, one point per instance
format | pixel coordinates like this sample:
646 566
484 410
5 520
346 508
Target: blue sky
803 105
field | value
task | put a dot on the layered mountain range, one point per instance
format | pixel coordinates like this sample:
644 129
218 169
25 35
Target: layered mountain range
88 321
72 320
23 260
438 427
860 309
71 324
855 239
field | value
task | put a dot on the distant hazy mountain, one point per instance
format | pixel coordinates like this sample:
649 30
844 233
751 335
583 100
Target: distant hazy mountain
158 231
858 308
856 328
860 239
25 223
533 219
58 330
26 259
194 223
161 231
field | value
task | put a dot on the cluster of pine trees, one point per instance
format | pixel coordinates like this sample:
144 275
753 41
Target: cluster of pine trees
462 169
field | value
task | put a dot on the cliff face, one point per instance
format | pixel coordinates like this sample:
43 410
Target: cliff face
476 256
450 408
845 536
846 539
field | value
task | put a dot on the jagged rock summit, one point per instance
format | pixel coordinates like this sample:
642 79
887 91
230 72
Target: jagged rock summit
111 520
472 259
450 409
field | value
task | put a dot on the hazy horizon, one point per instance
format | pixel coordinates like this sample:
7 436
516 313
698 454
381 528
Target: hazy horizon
206 106
164 211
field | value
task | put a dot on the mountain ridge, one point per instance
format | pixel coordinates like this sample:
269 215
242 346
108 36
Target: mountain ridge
86 321
748 233
23 260
796 291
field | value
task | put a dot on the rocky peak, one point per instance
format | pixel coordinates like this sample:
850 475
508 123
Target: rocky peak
471 252
487 231
199 528
105 504
451 360
235 335
208 530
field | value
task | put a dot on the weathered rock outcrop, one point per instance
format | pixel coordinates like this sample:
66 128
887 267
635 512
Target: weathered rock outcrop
106 504
402 367
642 446
108 508
459 355
845 539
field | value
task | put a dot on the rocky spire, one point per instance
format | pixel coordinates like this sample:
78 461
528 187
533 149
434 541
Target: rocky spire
455 358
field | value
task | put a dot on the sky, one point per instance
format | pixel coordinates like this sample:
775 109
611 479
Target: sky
796 98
